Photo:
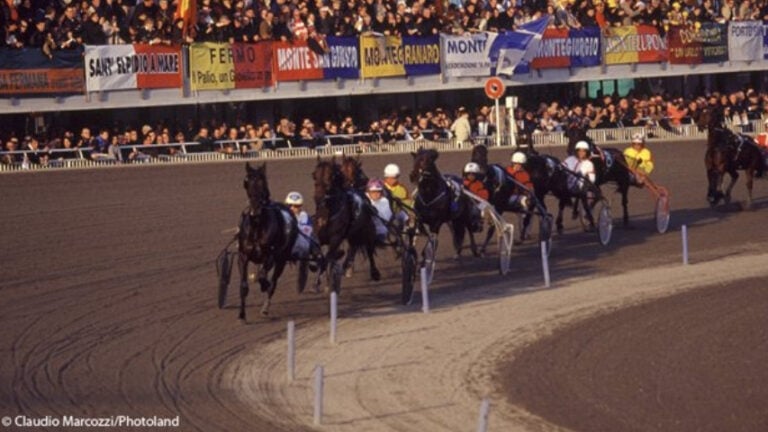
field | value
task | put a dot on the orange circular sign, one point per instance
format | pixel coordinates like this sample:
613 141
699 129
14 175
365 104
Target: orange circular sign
494 88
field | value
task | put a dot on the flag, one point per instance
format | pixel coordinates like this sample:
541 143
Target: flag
187 11
511 48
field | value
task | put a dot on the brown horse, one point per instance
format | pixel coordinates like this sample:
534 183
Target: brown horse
354 177
729 153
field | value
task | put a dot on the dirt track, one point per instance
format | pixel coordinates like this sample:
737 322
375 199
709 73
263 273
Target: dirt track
108 301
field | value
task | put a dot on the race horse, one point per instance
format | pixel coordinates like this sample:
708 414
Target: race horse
550 176
342 214
439 200
610 167
501 187
728 152
266 235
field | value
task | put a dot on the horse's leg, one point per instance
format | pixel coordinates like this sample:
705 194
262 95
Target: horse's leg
588 213
279 267
370 248
750 180
559 220
349 261
624 189
457 234
243 266
734 176
488 236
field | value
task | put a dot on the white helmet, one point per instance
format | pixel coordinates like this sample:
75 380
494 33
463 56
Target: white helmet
391 170
638 138
294 198
582 145
519 158
472 167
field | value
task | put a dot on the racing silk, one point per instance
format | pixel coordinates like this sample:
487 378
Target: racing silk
477 187
400 192
583 167
641 160
521 175
302 245
384 212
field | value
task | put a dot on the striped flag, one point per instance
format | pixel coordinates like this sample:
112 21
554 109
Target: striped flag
522 44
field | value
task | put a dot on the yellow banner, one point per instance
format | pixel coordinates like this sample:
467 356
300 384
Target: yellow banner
618 45
381 56
211 66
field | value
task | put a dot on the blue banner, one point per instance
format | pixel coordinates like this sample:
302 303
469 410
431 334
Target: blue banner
30 71
421 55
585 46
342 59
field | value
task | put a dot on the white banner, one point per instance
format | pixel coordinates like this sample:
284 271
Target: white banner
745 40
467 55
105 68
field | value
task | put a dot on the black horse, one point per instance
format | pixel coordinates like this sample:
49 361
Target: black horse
728 152
501 187
352 170
550 176
266 235
342 215
439 200
610 167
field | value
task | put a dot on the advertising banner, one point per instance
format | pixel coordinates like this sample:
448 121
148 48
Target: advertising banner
381 56
714 42
29 71
342 59
634 44
467 55
122 67
218 66
745 40
561 48
421 55
296 61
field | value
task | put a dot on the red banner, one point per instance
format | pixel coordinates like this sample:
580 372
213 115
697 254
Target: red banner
31 81
295 61
165 66
253 65
552 52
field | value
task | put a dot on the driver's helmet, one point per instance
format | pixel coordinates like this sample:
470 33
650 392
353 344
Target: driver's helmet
391 170
582 145
374 185
294 198
472 168
638 138
519 158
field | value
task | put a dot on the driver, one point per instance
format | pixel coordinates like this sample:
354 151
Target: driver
516 169
375 193
398 191
639 158
474 185
294 200
581 164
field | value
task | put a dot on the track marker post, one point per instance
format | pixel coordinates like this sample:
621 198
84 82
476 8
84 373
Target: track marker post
545 264
334 315
482 421
318 414
685 244
291 362
424 291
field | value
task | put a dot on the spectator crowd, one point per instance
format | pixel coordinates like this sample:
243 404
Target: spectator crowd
135 143
67 24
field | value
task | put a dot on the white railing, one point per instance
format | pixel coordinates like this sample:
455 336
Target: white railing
277 148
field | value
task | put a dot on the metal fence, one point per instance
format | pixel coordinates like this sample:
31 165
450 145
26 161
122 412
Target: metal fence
277 148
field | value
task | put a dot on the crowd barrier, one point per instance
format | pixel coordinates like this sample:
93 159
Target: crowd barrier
278 148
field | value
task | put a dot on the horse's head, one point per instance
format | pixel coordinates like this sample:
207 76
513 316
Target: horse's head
423 164
256 186
710 118
480 155
328 179
351 169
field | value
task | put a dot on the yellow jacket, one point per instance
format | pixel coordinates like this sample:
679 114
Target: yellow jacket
640 160
400 192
